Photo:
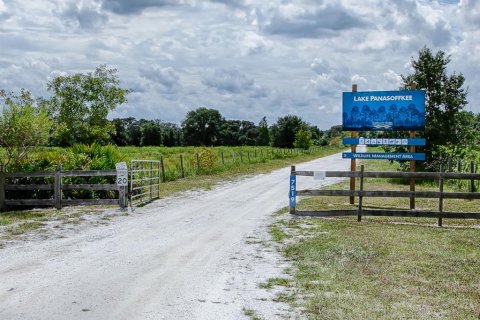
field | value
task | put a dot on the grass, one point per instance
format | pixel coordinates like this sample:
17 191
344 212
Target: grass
251 314
383 267
272 282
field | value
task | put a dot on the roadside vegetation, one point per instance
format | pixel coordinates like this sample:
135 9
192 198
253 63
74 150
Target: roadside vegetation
382 267
15 223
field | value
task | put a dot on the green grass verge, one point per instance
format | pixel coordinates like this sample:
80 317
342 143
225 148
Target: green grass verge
383 267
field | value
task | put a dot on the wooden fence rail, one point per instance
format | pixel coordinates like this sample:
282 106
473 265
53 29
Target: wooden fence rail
7 183
361 193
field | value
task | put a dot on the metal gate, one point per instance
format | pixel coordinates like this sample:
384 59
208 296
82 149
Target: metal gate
145 177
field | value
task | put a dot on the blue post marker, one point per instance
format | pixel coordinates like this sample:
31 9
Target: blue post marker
292 193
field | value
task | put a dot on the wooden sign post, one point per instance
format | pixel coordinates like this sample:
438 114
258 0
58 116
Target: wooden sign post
353 162
412 162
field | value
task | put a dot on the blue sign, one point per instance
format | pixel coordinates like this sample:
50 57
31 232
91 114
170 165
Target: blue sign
384 156
385 141
292 194
384 110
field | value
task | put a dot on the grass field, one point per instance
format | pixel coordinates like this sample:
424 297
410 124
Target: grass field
381 268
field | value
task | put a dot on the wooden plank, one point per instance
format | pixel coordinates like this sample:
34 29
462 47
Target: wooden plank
29 174
387 174
15 187
391 194
423 214
391 213
87 202
327 193
328 174
329 213
29 202
89 173
89 187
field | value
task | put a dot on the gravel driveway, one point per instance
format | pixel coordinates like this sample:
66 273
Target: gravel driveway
200 255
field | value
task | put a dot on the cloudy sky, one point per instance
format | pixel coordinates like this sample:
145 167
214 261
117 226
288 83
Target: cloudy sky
245 58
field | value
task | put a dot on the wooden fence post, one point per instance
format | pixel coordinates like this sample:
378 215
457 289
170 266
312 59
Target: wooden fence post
360 197
353 162
122 197
233 155
472 181
163 169
223 159
440 198
2 187
413 86
248 155
58 187
198 162
181 166
159 179
241 156
255 150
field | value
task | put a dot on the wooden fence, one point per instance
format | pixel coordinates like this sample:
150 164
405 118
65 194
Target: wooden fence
361 193
9 182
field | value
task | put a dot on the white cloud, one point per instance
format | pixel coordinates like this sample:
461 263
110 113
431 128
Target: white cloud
246 58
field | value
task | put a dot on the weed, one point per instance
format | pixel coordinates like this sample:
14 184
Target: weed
251 314
272 282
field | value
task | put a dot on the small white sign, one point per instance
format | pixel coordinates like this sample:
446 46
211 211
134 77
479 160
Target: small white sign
318 175
122 174
121 166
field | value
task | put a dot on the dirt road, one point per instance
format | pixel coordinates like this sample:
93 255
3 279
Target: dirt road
197 256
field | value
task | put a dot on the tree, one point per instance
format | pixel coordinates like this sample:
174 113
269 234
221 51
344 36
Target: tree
263 138
24 125
151 133
80 104
445 97
283 132
201 127
171 135
230 133
303 139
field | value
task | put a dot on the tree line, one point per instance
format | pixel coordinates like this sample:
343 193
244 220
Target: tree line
77 110
207 127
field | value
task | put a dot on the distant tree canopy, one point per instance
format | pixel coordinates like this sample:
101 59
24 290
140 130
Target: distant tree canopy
80 104
201 127
132 132
283 132
445 98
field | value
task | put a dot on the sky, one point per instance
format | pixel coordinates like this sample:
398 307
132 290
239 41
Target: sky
246 58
